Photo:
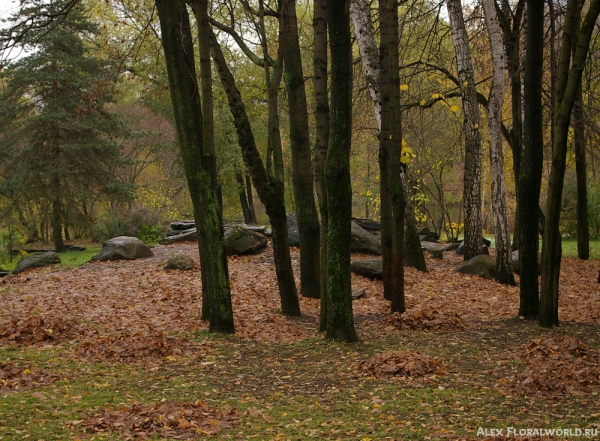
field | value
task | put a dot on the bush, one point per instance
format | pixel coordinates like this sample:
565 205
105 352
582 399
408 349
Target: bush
139 222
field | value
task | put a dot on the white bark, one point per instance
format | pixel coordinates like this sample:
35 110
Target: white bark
472 174
360 11
496 101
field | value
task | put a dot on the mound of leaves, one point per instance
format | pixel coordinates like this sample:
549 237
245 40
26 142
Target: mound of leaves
129 346
38 329
14 377
401 363
171 419
557 366
426 320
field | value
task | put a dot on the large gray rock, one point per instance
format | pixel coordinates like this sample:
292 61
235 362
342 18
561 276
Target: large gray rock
372 268
361 241
123 248
516 264
180 262
190 235
453 246
460 251
293 232
37 260
239 240
482 266
433 248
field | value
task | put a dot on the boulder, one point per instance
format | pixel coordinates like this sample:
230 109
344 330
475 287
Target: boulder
460 251
4 273
482 266
182 225
239 240
428 236
451 246
361 241
37 260
516 265
433 248
123 248
180 262
293 232
368 224
357 293
190 235
368 267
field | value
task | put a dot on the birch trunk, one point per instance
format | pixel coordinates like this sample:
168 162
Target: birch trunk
504 271
365 36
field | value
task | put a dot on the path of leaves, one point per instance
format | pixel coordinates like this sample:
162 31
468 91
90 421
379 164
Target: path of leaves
16 377
556 366
171 419
402 363
106 299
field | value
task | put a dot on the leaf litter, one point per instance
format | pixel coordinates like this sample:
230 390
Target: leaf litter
402 363
426 319
169 419
556 366
14 377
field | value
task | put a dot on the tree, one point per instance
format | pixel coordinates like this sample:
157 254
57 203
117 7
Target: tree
504 271
302 172
199 163
472 176
55 116
570 70
340 320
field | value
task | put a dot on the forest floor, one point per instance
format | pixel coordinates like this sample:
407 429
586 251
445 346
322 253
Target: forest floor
116 350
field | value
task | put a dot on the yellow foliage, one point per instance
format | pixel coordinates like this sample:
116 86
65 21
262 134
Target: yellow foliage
404 87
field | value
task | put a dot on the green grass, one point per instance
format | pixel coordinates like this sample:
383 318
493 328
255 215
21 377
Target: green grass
302 391
68 259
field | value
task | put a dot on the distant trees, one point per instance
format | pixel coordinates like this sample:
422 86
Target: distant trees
59 139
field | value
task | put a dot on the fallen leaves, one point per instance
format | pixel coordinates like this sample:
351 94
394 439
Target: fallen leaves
402 363
14 377
170 419
426 320
37 329
556 366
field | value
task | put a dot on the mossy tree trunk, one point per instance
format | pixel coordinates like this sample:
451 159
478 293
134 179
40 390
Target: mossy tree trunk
570 69
321 138
179 57
340 319
302 172
270 192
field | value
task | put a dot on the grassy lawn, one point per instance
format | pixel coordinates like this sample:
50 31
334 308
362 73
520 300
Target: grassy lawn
68 259
302 391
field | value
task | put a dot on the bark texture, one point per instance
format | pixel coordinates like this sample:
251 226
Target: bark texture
568 82
472 173
302 172
504 271
340 319
270 194
179 57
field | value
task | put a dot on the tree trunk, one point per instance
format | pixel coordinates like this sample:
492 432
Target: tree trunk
179 58
390 114
472 172
531 161
504 270
200 9
567 84
511 33
365 36
269 192
321 138
302 173
583 229
57 210
251 209
243 199
340 319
